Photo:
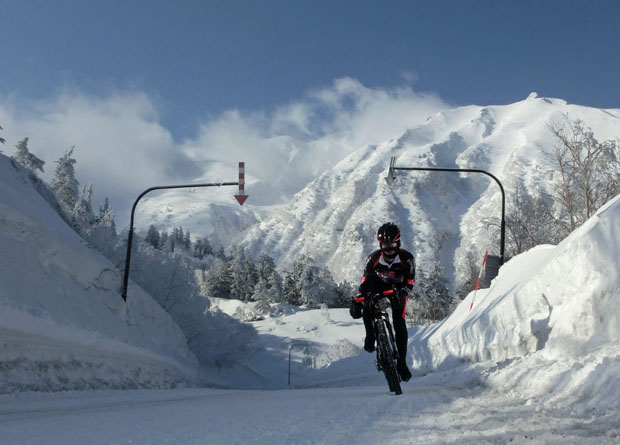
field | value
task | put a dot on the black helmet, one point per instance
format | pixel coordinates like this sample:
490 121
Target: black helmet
389 233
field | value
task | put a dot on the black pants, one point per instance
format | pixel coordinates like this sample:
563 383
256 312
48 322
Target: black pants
398 322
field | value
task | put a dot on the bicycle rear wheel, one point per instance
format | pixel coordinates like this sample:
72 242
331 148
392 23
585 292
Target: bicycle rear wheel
388 365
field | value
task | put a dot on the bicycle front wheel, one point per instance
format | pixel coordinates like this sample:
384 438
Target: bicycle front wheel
388 364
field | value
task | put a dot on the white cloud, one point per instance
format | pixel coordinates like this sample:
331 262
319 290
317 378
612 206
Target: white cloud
294 142
119 145
122 148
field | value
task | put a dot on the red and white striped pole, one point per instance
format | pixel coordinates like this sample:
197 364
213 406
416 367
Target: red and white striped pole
241 197
484 260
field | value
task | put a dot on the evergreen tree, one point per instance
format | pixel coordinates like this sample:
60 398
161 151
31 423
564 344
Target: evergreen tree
274 286
163 240
290 291
82 216
312 285
261 296
217 280
437 290
187 240
102 233
219 253
317 287
244 275
2 140
430 299
27 159
201 248
152 237
105 209
64 183
265 266
344 292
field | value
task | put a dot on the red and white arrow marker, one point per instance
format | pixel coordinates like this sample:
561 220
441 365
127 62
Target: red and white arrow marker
241 197
484 260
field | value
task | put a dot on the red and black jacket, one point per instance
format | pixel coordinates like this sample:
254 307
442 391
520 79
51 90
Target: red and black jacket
403 266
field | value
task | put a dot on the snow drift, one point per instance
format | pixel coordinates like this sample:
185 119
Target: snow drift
63 322
550 319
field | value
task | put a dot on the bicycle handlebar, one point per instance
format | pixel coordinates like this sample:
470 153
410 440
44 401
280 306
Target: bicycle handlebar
385 293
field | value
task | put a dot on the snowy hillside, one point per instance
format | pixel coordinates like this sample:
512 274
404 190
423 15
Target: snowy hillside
62 319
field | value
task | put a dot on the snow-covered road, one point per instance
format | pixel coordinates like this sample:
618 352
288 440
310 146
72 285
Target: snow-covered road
427 412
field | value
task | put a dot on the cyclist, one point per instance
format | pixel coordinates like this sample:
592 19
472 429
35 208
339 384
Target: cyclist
390 261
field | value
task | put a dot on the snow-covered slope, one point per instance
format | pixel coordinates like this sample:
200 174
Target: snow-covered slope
334 219
552 316
63 322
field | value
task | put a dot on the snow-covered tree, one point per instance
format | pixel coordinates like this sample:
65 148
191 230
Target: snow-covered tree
275 291
290 291
312 284
152 237
430 299
2 140
345 291
27 159
64 183
82 216
178 239
261 296
269 279
216 281
265 266
243 275
102 233
201 248
163 240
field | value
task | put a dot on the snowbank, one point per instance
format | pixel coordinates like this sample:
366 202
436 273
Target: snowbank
63 322
550 319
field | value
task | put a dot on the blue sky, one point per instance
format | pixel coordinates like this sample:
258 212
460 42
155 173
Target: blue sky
199 58
153 92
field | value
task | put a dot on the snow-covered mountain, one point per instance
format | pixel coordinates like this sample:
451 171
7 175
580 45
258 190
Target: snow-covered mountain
335 217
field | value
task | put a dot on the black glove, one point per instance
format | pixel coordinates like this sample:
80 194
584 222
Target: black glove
403 293
356 309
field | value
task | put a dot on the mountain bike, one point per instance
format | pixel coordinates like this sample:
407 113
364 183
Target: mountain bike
387 354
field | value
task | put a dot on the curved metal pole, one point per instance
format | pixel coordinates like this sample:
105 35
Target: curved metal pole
466 170
133 210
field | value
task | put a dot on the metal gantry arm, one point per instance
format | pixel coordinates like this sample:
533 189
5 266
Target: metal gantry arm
133 210
391 177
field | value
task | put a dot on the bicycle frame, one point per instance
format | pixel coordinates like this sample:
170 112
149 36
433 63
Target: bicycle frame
387 353
381 316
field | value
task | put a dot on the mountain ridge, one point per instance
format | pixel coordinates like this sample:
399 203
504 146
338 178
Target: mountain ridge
334 218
